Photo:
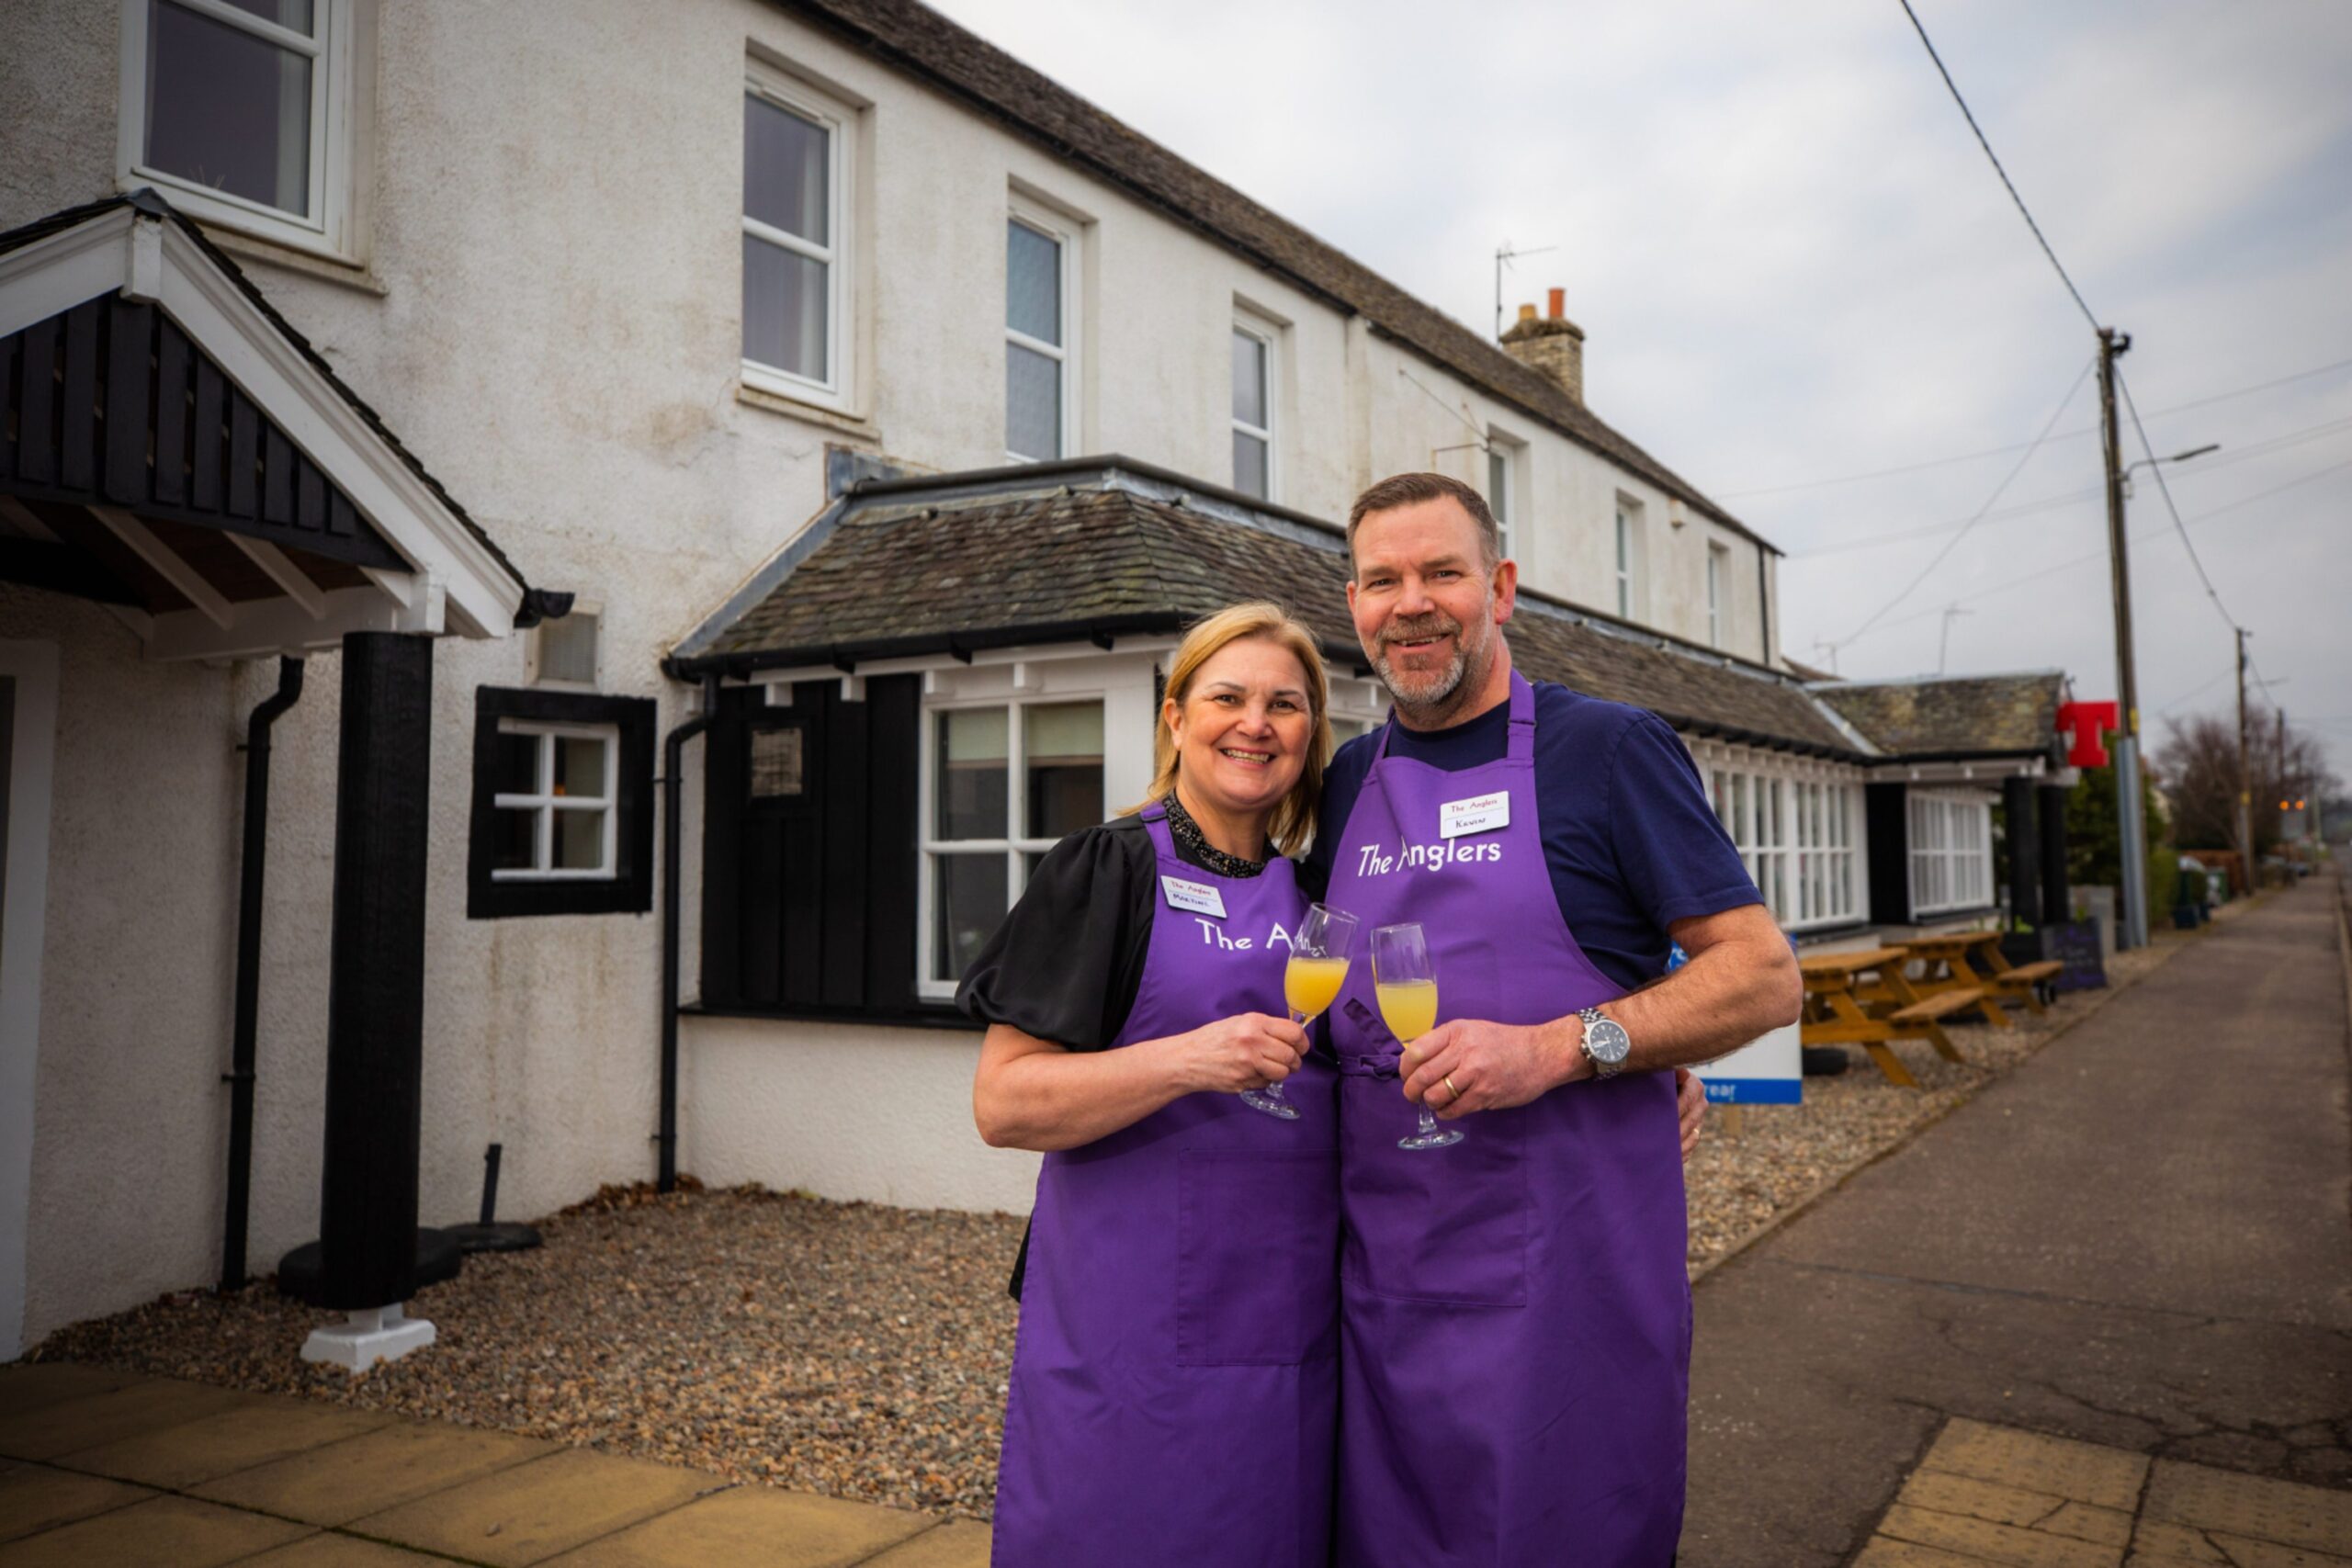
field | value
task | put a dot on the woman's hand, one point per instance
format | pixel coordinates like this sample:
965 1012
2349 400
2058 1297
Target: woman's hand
1248 1051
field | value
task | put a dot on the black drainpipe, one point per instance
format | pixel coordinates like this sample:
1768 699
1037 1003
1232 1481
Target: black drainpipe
240 1076
674 762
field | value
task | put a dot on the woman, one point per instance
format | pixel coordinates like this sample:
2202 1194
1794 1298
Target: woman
1172 1384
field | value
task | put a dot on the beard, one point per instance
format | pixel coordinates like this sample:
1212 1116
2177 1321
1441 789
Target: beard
1428 692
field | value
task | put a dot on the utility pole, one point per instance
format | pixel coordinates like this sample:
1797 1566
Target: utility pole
2129 819
2245 774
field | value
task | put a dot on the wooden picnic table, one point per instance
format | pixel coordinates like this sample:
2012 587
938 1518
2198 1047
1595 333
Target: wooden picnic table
1841 1010
1957 960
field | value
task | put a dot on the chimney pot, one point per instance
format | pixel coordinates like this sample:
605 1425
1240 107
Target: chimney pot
1559 303
1553 345
1527 312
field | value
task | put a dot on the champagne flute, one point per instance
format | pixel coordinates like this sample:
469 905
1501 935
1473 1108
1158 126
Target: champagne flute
1311 981
1406 982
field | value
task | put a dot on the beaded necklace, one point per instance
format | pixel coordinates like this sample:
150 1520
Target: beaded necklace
1187 833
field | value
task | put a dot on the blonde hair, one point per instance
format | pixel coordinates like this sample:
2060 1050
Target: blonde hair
1292 826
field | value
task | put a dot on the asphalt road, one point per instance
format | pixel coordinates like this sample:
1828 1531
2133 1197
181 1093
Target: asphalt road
2139 1238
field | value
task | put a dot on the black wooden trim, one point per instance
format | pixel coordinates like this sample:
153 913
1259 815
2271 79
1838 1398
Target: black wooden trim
62 569
630 891
2021 844
942 1016
1886 819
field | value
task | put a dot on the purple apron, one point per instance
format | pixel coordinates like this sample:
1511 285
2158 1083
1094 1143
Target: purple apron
1174 1377
1515 1314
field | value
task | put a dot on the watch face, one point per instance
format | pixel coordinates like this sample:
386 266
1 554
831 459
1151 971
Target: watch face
1608 1041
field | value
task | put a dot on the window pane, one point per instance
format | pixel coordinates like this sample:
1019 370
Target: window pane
776 764
970 899
579 840
579 766
1032 283
511 834
228 109
1498 486
784 309
1250 465
1064 742
972 782
1032 403
1249 380
568 648
786 170
514 765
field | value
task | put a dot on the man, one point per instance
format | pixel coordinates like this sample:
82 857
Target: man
1515 1313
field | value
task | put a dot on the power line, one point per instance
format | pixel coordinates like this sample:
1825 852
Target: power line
2184 700
1953 543
2089 315
2156 467
2021 445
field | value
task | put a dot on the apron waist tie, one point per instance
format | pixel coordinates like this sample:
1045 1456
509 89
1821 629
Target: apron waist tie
1384 1065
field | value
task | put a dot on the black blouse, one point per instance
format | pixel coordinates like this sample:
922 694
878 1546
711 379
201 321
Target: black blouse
1067 961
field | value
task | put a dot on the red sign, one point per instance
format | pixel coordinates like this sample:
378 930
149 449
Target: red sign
2087 722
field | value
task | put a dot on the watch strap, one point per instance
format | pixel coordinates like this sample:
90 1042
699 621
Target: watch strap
1601 1069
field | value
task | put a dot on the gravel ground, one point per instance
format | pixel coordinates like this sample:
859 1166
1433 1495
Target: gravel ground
854 1349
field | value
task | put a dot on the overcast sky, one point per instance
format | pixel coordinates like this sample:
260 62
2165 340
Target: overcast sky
1792 263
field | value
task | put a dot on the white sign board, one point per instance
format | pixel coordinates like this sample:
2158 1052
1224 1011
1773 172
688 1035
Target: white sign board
1770 1071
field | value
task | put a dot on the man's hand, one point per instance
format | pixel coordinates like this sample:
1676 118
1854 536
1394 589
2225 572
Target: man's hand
1491 1065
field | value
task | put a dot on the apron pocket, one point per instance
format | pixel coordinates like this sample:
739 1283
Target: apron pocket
1256 1276
1446 1224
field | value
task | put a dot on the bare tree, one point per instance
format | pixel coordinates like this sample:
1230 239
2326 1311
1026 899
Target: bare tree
2198 763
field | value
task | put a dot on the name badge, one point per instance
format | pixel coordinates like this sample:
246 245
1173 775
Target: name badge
1479 814
1193 898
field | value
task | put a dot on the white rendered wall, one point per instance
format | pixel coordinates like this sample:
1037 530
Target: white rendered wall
545 305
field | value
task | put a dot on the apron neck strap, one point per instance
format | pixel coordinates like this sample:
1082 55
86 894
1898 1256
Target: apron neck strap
1155 822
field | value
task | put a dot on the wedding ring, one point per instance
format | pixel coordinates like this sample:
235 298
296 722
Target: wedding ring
1450 1089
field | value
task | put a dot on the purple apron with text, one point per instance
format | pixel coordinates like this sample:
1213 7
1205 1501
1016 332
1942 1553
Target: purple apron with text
1174 1378
1515 1314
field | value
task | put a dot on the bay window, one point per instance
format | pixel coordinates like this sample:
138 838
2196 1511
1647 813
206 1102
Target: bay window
1797 827
1951 850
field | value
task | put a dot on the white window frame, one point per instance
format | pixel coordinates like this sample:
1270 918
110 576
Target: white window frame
1014 846
1718 559
326 228
1043 220
1797 823
1268 335
1503 457
1628 557
545 803
1948 854
840 121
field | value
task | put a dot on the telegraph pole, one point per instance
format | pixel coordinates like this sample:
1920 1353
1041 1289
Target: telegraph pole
2245 774
2134 832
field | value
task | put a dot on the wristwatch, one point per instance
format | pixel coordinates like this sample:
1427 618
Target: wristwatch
1606 1044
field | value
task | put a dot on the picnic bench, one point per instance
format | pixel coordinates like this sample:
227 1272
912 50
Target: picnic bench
1841 1008
1961 960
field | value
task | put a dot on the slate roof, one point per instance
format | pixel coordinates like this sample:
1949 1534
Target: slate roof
533 602
921 42
1972 715
1105 548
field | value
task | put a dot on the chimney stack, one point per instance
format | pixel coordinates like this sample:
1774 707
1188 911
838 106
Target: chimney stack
1553 345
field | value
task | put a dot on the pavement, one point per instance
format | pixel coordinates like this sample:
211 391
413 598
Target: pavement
2128 1258
101 1468
2100 1317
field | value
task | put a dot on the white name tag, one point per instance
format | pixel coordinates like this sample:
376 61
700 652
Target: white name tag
1193 898
1479 814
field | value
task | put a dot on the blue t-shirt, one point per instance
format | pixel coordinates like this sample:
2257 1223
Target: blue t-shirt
1629 839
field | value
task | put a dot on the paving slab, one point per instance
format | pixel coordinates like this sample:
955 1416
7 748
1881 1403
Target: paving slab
376 1471
328 1549
61 1426
164 1532
753 1525
523 1515
2223 1502
28 1385
959 1543
35 1497
2086 1472
177 1458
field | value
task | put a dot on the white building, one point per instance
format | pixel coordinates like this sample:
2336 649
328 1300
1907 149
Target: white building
644 296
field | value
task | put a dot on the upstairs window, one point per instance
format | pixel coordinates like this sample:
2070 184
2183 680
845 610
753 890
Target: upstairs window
1502 494
795 171
1629 523
1718 564
1036 340
1253 412
240 110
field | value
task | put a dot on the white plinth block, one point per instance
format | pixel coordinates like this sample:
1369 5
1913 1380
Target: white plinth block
367 1336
